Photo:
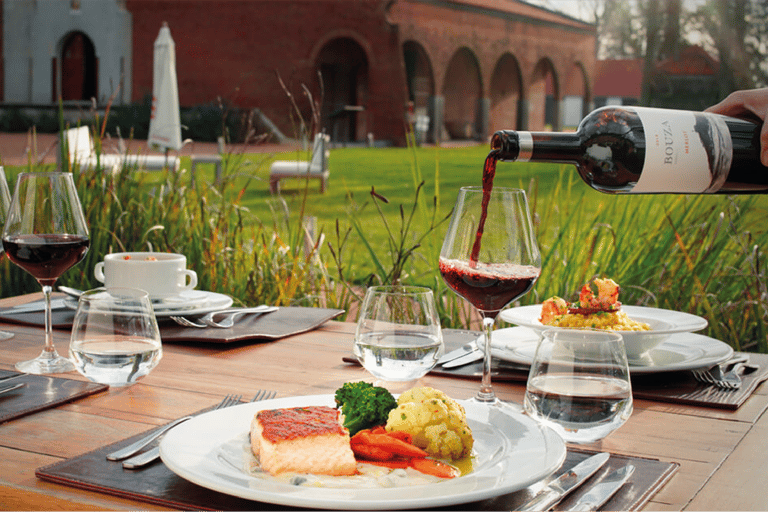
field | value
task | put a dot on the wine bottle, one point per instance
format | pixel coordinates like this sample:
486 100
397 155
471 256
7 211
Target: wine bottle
649 150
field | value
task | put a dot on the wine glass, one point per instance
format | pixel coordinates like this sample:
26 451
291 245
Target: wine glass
46 234
579 383
490 257
5 202
398 338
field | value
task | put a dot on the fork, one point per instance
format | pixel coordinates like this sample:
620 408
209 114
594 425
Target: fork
149 456
715 377
134 448
207 320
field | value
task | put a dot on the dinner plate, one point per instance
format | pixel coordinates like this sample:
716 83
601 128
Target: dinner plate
512 451
681 351
663 323
193 302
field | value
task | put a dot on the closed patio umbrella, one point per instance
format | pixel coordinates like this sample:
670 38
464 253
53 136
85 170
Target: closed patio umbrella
165 122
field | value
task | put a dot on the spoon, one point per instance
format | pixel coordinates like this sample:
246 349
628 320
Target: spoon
72 292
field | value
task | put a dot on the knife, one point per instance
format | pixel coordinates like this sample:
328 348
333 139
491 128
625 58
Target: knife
467 358
566 482
603 490
453 354
33 307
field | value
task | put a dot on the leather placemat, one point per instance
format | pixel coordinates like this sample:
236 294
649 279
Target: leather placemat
675 387
158 485
286 321
41 392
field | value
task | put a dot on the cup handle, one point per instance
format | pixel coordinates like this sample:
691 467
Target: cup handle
98 271
192 279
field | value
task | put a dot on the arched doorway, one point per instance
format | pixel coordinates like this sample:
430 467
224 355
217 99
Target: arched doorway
463 91
576 97
343 67
421 86
506 84
79 68
544 98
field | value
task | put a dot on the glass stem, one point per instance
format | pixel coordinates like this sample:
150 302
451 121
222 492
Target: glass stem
49 351
486 393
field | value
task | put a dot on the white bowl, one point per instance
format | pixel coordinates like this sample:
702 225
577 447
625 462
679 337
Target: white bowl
663 323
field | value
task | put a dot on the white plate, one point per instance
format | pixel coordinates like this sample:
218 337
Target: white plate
682 351
194 302
663 322
512 452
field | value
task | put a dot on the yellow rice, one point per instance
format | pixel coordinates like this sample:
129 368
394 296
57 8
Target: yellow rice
616 321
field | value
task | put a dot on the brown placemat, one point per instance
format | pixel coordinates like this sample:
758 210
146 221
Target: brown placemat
41 392
682 388
62 317
286 321
157 484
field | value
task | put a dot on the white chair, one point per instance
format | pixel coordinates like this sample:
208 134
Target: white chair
316 168
82 154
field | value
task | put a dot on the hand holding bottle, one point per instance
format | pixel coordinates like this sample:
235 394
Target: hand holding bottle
748 104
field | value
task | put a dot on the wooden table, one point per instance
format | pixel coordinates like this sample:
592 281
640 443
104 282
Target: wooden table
723 455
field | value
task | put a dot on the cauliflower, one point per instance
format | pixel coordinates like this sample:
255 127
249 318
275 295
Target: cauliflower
437 423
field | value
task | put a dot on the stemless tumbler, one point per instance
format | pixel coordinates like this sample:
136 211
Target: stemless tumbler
579 383
398 336
115 339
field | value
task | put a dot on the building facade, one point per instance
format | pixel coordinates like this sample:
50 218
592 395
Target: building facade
357 68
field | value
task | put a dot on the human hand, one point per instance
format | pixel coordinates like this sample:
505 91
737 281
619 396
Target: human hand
748 104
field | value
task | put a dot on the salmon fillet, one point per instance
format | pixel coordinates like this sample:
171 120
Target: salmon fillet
302 440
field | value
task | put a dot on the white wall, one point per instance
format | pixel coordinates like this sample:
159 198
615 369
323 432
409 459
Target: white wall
33 31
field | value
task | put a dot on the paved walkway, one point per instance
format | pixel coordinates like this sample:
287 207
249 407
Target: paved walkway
16 148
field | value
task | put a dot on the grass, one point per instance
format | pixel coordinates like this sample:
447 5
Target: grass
700 254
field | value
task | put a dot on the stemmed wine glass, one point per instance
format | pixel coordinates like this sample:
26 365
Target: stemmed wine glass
46 234
490 258
5 202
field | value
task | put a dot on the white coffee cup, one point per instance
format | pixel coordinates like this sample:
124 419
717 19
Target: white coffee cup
159 274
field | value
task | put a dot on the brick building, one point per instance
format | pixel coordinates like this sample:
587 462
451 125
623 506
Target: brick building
470 66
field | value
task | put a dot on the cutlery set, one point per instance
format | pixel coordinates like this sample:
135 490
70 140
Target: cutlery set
599 493
726 375
129 453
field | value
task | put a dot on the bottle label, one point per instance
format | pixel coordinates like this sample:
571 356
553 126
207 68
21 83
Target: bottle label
685 152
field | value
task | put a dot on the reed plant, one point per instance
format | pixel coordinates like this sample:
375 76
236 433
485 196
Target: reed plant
699 254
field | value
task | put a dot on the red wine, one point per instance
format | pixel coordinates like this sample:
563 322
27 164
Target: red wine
488 288
647 150
46 256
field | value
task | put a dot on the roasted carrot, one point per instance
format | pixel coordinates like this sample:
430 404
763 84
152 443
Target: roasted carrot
391 444
365 451
403 436
434 468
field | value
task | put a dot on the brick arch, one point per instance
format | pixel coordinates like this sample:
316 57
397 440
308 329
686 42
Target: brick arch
463 93
420 76
577 95
505 93
544 97
344 66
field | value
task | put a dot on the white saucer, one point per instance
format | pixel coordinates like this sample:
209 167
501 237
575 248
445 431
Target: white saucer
192 302
212 302
681 351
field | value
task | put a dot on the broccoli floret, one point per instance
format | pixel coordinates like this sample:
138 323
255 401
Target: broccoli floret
363 405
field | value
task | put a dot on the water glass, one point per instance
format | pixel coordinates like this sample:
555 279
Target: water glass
398 337
579 383
115 338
